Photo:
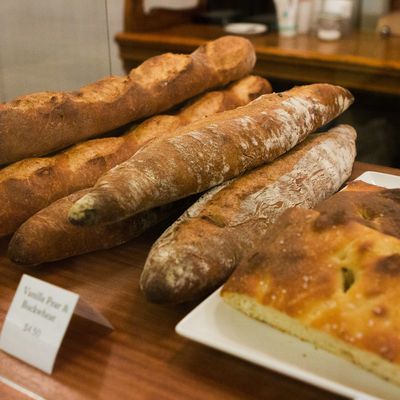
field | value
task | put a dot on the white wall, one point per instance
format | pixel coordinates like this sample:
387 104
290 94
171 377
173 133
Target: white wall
57 44
115 10
377 7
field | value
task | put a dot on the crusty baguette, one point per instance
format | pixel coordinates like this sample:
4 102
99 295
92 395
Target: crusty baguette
200 250
30 185
49 236
335 285
39 123
210 152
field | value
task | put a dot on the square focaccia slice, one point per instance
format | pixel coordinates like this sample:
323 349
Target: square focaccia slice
331 277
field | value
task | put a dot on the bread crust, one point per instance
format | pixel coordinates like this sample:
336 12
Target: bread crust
49 236
210 152
49 121
370 205
199 251
340 279
32 184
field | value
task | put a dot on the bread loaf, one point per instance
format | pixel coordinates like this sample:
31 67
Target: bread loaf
40 123
209 152
333 284
361 186
200 250
49 236
362 203
31 185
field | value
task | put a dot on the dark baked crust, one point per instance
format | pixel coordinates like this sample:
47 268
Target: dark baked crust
340 278
32 184
47 121
48 235
199 251
210 152
376 209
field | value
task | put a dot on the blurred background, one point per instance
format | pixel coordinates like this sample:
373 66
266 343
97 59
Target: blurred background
62 45
57 44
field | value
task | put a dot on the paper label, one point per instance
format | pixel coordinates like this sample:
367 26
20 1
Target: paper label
36 322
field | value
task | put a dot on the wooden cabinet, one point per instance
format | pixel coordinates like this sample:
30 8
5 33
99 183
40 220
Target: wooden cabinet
363 61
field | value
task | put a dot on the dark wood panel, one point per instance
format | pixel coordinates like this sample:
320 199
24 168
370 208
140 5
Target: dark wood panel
363 61
143 358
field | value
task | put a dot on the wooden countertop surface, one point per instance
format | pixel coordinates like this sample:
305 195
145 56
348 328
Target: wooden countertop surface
143 358
364 61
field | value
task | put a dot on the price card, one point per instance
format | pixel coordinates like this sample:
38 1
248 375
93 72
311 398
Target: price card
37 320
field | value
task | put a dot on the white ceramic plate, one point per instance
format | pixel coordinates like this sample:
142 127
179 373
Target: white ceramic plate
245 28
215 324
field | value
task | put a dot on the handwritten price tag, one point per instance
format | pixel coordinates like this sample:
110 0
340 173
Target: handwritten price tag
37 320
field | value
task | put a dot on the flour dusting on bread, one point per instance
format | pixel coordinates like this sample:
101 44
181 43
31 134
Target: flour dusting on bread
203 246
329 171
212 151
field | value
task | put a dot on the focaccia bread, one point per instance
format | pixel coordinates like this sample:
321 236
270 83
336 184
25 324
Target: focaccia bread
367 204
40 123
200 250
361 186
210 152
30 185
333 282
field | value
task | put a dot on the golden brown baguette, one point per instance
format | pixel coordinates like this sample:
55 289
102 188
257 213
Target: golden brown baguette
49 236
334 285
210 151
202 248
30 185
40 123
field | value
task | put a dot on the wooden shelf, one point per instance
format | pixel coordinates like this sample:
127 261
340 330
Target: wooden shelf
143 358
364 61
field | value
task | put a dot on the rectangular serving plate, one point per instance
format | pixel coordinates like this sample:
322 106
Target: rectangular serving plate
217 325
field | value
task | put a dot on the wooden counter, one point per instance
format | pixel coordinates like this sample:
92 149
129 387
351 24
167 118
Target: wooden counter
364 61
143 358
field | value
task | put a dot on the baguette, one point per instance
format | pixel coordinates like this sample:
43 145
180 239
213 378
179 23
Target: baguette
31 185
49 236
209 152
40 123
201 249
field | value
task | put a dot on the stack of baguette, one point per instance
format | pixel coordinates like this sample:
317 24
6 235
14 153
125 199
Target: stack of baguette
39 123
242 142
202 248
30 185
48 235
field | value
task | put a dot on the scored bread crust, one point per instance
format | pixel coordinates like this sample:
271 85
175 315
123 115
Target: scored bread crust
49 236
333 284
47 121
199 251
210 152
32 184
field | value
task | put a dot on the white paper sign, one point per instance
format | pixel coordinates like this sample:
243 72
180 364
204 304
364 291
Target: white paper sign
37 320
